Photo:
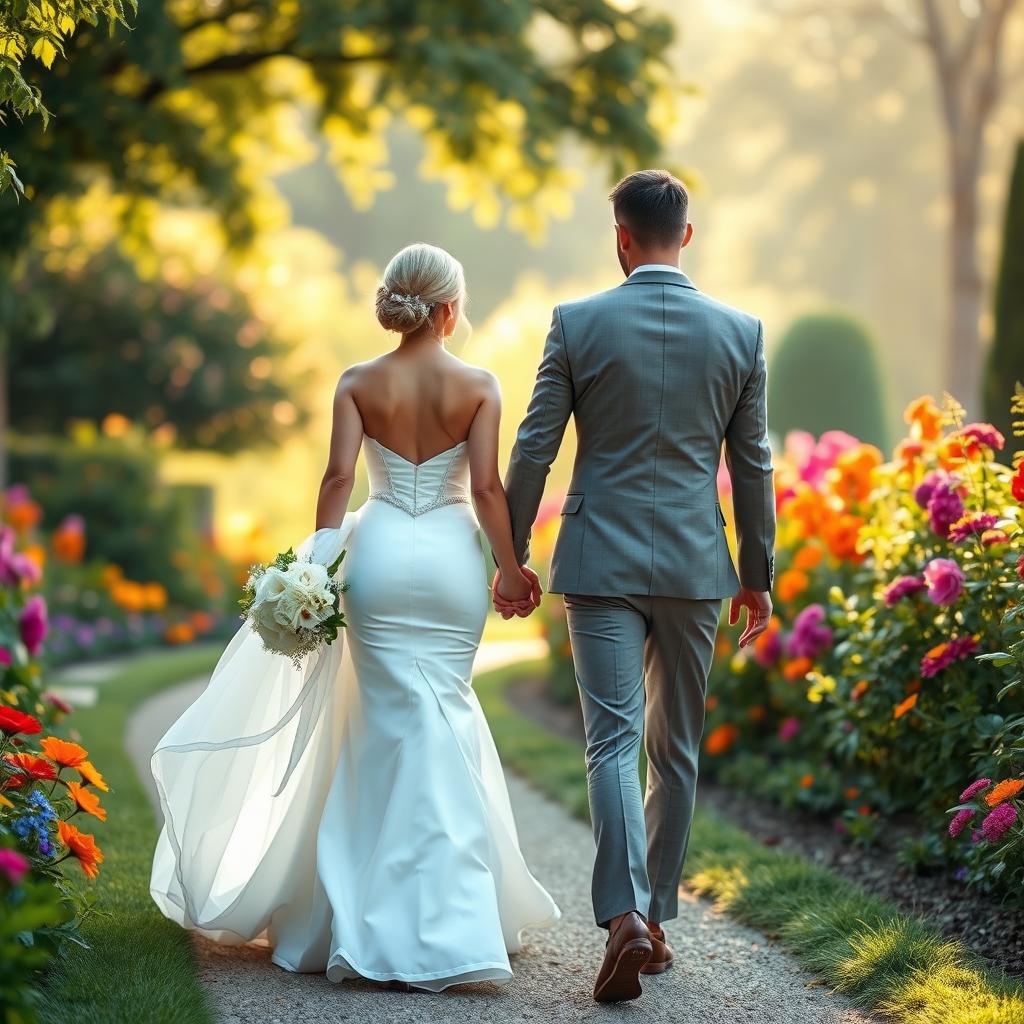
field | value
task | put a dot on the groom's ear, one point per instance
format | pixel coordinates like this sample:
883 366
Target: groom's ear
687 235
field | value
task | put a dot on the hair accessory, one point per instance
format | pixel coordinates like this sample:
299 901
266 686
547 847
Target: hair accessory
413 302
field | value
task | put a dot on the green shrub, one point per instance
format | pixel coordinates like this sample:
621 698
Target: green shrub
824 376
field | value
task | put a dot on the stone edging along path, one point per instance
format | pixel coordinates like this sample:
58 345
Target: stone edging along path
724 973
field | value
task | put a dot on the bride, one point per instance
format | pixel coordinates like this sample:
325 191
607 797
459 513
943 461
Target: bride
352 813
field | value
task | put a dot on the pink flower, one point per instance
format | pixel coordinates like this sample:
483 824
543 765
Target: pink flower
813 458
15 568
939 493
984 433
1020 568
968 525
810 635
33 624
58 702
959 822
13 866
789 728
998 821
974 788
768 649
900 588
945 581
5 657
944 655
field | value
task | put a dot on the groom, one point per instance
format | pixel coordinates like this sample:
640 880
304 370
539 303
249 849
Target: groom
658 376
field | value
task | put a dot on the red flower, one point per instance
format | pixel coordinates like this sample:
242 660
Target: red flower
1017 484
12 720
31 766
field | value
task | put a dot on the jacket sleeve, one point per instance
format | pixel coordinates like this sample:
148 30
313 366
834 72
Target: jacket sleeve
539 438
749 459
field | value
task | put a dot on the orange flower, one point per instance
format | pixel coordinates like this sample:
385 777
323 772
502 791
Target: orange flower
23 515
66 754
68 544
937 651
863 810
711 702
952 452
808 508
92 776
1003 791
757 713
81 846
31 765
201 622
850 477
851 793
925 418
808 557
913 686
87 800
154 595
111 574
797 668
841 537
859 689
179 633
792 583
721 739
806 781
904 706
907 453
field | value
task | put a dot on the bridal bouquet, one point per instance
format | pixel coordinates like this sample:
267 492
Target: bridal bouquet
294 605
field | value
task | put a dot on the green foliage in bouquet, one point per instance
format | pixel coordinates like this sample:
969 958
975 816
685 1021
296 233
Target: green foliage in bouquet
825 376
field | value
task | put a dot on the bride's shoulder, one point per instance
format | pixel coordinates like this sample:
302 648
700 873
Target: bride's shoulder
476 376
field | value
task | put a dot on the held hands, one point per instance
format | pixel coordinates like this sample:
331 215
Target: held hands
759 612
518 594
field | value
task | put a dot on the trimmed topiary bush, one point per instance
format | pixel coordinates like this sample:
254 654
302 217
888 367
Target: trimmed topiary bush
824 376
1006 357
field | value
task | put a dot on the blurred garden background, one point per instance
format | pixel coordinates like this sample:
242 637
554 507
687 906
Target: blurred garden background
196 200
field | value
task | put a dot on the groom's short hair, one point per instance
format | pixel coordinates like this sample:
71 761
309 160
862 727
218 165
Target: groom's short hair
653 205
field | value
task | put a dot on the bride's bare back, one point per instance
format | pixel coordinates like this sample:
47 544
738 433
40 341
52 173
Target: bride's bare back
419 400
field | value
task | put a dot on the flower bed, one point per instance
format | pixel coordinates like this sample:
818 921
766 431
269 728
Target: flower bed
890 676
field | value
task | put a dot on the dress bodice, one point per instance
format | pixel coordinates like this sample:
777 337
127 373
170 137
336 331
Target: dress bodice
417 488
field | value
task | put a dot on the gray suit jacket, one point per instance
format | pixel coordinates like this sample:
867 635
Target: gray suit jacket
658 376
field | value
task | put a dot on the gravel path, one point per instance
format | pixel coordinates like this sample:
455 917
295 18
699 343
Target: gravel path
724 973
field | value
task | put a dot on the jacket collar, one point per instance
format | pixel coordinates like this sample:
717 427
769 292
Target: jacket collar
660 277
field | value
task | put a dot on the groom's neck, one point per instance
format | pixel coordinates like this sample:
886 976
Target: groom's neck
640 258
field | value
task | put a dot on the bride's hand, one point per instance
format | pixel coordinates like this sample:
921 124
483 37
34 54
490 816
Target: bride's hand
517 593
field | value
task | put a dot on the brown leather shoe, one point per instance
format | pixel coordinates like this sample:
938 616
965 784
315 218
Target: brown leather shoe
626 954
661 957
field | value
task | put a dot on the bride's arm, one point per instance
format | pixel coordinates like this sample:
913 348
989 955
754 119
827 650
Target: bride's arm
346 438
489 495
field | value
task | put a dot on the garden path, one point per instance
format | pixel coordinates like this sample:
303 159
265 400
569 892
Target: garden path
724 973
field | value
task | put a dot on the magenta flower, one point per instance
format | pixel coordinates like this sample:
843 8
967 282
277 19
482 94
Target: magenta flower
974 788
789 728
901 587
969 525
13 866
768 650
945 581
938 493
813 459
33 624
945 654
998 821
959 822
984 433
5 657
810 636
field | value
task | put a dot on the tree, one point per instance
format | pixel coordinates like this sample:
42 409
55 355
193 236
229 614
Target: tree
200 104
824 376
189 361
37 29
965 45
1006 356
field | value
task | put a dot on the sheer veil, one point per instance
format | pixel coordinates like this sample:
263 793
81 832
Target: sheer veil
243 777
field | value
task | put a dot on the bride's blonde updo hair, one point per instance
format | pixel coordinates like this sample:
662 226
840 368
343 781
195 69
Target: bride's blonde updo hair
416 281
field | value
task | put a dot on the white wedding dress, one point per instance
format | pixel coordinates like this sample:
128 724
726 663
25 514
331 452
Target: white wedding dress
352 814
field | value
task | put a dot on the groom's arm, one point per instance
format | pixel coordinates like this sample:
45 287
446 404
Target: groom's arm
539 438
749 459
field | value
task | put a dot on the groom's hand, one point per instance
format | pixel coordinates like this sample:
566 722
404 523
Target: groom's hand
507 607
759 613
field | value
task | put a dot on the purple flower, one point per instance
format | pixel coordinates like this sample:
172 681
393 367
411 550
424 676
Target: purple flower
938 494
974 789
968 526
33 624
789 728
960 875
959 822
945 581
810 635
998 821
901 587
769 649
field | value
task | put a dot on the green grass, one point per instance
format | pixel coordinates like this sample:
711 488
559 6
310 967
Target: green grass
884 960
139 965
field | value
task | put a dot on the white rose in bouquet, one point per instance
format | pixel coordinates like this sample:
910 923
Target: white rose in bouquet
294 606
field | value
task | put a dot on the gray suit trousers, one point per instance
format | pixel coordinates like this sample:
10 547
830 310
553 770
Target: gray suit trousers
641 665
